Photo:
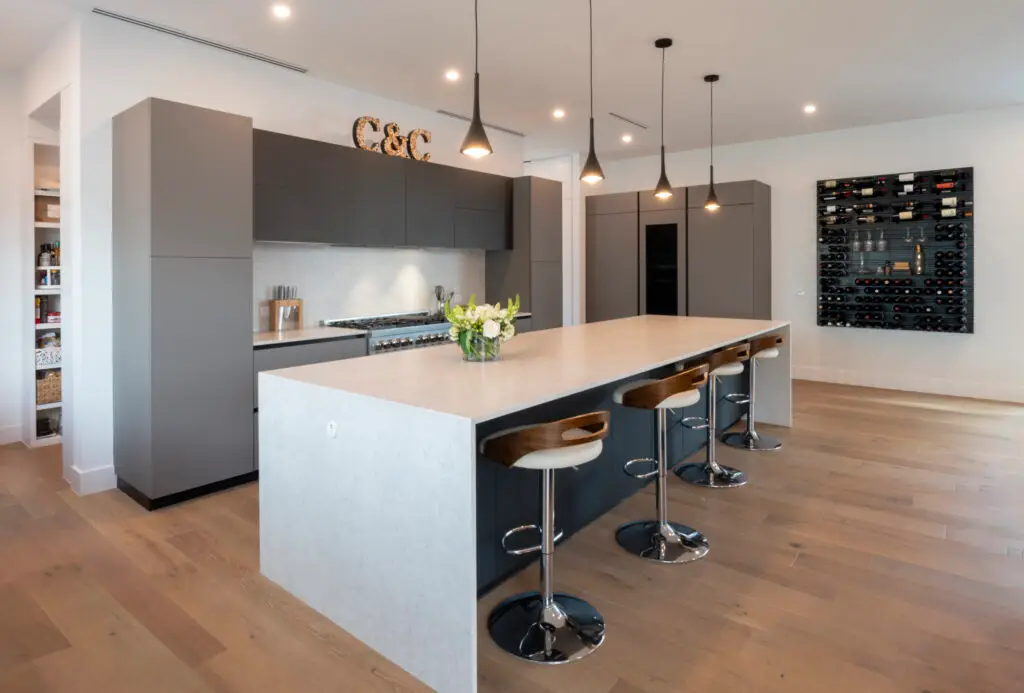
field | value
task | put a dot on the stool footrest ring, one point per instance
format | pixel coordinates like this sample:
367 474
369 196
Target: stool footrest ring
695 423
641 475
529 549
738 398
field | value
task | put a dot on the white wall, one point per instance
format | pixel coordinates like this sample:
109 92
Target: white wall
989 363
356 282
13 158
121 65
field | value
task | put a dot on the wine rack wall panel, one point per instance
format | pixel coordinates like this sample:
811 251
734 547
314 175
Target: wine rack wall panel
896 251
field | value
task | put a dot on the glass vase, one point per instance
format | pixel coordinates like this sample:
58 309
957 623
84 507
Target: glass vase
476 347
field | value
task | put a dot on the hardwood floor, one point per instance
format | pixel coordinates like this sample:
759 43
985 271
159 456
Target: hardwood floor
881 550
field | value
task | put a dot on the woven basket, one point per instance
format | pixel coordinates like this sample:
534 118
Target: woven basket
48 389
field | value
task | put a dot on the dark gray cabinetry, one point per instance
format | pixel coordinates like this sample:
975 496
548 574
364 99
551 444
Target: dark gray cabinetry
533 268
429 205
613 257
662 259
201 382
730 252
182 300
316 192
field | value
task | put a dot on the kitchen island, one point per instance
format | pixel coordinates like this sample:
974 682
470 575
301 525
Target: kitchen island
376 509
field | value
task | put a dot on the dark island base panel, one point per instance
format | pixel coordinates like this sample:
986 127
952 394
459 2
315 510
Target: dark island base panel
508 498
152 504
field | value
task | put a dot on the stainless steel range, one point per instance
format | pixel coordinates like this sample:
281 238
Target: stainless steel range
398 332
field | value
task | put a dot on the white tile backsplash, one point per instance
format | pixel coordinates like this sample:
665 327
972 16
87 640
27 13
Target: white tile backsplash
350 282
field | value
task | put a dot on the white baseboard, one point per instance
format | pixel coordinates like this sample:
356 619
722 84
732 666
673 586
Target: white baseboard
10 434
1003 391
85 482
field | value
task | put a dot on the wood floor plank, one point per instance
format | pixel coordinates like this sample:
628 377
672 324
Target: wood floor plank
26 632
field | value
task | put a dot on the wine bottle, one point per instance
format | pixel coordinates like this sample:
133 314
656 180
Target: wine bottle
956 213
911 189
910 215
872 219
869 192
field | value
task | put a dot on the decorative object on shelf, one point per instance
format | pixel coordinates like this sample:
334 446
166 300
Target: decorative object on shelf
663 190
394 143
476 144
925 283
48 388
285 309
592 172
480 330
711 204
49 357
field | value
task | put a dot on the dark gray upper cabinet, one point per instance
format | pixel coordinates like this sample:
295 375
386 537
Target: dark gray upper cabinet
613 259
545 220
546 292
738 193
373 189
429 205
200 168
480 228
615 203
476 190
650 203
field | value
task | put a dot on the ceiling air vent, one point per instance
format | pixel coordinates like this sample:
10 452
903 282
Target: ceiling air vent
197 39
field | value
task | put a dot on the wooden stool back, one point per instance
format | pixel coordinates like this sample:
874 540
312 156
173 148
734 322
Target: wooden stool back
734 354
772 341
651 395
509 448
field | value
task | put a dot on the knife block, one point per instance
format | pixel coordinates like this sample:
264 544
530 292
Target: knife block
286 314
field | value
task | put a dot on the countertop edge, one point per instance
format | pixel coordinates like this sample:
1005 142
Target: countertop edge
278 341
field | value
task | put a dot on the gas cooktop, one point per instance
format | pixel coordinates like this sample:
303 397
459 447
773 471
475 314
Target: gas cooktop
398 332
389 322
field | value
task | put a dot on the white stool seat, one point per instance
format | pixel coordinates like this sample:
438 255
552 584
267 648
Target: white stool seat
555 458
677 401
767 354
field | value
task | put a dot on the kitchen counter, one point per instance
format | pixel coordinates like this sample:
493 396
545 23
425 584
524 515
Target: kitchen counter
377 510
308 334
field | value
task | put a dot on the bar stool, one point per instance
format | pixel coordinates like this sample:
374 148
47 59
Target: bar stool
749 439
661 540
709 473
547 627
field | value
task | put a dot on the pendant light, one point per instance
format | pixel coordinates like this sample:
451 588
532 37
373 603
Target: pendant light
592 172
711 204
664 189
476 144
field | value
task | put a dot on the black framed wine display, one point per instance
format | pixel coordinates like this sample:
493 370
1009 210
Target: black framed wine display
896 251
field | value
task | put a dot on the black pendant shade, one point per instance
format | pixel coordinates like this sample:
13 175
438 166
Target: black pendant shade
663 191
591 172
711 204
476 144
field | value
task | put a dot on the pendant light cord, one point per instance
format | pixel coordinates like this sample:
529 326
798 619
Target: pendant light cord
663 98
591 58
476 36
712 123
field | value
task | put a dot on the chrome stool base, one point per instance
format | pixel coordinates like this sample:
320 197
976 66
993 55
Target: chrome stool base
700 474
568 630
668 543
751 440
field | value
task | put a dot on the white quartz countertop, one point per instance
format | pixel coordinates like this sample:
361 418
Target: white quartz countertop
535 367
309 334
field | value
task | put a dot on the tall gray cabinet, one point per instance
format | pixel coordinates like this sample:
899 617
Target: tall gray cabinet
645 255
533 268
182 300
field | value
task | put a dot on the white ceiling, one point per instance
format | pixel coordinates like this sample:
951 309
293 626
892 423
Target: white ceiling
862 62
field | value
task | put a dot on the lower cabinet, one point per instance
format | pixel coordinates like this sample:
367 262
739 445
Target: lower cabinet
524 325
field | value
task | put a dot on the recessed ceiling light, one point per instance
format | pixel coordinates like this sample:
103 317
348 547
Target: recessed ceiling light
627 138
558 114
810 108
452 75
281 11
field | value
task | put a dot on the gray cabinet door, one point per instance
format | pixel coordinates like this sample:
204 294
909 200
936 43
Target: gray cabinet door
289 356
546 294
202 391
202 182
373 188
524 325
484 229
545 220
721 262
650 203
429 205
476 190
612 273
738 193
616 203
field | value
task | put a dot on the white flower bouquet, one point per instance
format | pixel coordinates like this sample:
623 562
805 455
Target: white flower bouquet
480 330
